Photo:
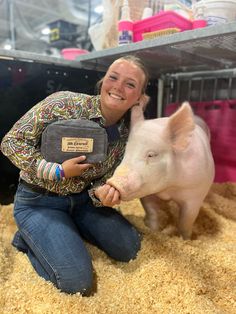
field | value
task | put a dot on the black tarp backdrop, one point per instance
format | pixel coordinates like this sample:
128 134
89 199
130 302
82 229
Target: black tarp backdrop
23 84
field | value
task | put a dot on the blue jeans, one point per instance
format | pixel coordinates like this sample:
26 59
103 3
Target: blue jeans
53 229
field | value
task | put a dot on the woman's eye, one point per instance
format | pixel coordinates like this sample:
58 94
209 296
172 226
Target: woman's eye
112 77
131 85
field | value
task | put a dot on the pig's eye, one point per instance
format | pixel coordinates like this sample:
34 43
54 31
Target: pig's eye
152 154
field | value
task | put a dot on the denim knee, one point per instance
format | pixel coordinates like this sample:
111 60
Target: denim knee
128 246
69 278
78 281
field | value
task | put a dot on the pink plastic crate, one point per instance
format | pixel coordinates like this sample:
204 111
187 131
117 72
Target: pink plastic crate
72 53
162 20
221 119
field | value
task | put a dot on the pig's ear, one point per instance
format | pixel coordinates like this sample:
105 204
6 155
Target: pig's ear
136 114
138 109
180 126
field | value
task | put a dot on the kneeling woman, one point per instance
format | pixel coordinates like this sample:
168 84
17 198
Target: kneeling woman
58 206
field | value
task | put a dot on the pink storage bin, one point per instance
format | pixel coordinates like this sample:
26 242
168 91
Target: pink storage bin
72 53
220 116
199 24
223 141
162 20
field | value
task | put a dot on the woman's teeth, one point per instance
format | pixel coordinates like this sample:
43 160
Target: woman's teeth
116 96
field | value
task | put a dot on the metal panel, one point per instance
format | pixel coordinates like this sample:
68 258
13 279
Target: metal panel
35 57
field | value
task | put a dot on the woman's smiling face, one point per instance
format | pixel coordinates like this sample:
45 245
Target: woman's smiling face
121 88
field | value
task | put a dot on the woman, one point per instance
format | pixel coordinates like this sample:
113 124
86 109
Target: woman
57 206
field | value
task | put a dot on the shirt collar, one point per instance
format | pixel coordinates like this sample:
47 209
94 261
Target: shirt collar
95 113
95 110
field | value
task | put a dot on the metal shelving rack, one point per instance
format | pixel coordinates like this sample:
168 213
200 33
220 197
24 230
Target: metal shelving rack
209 51
203 49
209 48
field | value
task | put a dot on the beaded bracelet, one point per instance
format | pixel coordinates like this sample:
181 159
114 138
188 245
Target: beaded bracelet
58 173
62 173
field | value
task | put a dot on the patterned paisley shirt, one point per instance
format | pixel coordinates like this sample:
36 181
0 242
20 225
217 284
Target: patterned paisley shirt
22 143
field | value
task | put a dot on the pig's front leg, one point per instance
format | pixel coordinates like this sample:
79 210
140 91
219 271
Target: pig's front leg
154 215
189 211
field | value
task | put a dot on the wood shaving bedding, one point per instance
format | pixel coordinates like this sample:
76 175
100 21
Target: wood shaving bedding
169 275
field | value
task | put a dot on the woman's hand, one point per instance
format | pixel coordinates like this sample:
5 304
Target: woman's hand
73 167
108 195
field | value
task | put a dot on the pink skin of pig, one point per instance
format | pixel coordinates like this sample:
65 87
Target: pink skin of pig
169 159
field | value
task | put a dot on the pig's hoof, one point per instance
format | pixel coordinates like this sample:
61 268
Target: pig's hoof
186 235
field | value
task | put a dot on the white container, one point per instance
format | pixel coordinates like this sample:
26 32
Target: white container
147 12
215 11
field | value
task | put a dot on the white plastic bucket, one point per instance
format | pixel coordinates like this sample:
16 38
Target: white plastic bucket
215 11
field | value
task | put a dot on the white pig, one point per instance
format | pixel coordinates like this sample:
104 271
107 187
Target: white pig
167 158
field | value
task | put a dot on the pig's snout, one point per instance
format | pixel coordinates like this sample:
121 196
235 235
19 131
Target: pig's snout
119 179
126 181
